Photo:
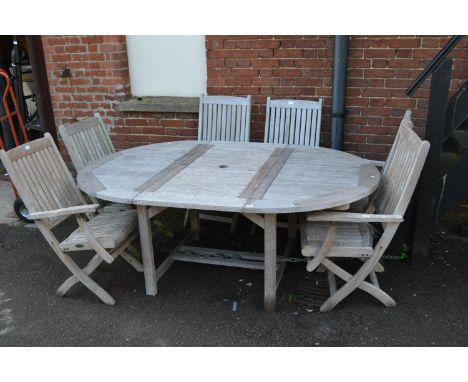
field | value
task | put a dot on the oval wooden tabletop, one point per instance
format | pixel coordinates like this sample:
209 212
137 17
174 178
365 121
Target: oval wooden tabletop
227 176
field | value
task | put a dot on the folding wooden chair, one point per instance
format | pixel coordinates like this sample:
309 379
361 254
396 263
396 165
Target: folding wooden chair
327 235
222 118
51 196
88 141
293 122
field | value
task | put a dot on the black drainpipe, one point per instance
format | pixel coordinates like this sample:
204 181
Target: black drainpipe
340 67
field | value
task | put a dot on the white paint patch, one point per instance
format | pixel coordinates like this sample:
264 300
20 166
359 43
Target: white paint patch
6 318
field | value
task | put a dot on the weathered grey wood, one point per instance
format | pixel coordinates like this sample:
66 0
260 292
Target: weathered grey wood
256 219
309 179
173 169
223 118
324 249
260 183
109 230
153 211
130 257
270 262
322 178
216 118
166 264
353 238
50 194
147 253
223 257
353 217
216 218
64 211
293 122
96 261
86 141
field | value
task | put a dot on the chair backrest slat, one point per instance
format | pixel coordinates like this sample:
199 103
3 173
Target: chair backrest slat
401 171
41 177
293 122
86 141
223 118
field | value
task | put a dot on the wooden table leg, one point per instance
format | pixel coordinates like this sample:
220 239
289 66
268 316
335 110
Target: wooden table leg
147 252
270 262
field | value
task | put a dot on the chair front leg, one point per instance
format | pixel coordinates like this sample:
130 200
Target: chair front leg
363 272
73 267
374 291
73 280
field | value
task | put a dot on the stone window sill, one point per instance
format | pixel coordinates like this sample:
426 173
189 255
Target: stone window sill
160 104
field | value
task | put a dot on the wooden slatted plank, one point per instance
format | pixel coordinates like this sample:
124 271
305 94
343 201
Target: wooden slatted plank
292 126
308 123
246 127
222 125
243 118
287 126
219 113
163 176
297 128
238 123
262 180
209 130
234 131
229 135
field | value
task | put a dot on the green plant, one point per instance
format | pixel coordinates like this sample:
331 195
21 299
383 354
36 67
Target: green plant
405 252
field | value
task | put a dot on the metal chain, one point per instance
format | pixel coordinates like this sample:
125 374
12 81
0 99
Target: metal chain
292 260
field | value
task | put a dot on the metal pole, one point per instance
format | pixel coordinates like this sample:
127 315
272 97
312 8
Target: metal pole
340 67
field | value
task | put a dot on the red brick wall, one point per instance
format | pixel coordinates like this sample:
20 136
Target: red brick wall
277 66
99 81
380 68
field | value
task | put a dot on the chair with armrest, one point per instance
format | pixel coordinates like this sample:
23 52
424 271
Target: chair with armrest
329 235
51 196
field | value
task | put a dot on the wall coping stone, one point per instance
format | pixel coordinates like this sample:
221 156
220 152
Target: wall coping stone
160 104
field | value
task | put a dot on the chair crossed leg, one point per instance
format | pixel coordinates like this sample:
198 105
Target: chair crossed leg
92 265
82 275
352 282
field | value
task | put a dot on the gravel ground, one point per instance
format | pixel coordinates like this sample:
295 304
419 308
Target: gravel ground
194 306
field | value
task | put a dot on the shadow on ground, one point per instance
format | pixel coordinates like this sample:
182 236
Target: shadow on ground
194 305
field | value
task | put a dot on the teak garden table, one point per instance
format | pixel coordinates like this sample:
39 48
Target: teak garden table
257 180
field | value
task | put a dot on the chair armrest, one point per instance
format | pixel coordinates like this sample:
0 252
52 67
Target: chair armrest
377 163
352 217
87 208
